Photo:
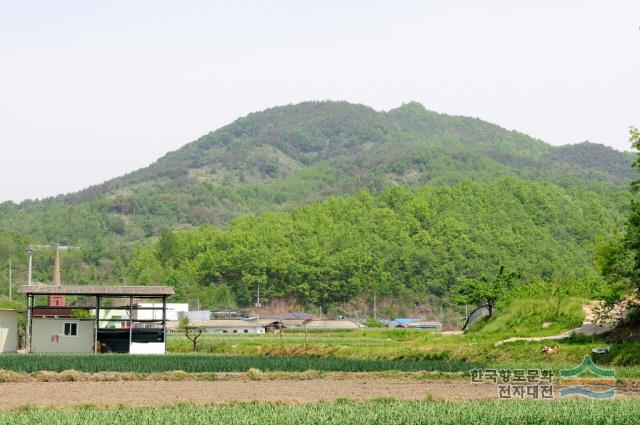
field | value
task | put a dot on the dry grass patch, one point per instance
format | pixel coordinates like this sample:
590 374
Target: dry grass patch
251 375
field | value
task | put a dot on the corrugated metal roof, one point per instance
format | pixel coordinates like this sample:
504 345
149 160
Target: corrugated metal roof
406 320
292 315
96 290
335 324
425 324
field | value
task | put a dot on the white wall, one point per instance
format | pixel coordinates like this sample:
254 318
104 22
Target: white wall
8 331
47 336
147 348
173 310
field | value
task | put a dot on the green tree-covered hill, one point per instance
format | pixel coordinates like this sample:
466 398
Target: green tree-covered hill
289 156
410 245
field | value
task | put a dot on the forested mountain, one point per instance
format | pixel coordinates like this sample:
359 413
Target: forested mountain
409 245
285 157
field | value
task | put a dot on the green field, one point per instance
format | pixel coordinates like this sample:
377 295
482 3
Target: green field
393 345
210 363
91 363
382 412
522 317
366 350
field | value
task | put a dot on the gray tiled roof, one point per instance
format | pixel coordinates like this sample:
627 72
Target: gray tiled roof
96 290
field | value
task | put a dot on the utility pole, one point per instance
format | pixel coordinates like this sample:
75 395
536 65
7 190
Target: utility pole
375 308
258 305
30 254
10 282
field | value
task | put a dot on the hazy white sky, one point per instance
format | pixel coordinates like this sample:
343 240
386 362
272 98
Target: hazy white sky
90 90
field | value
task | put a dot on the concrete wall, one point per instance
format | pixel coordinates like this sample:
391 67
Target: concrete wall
47 336
8 331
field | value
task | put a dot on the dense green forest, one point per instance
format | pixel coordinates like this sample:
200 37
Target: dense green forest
323 201
410 245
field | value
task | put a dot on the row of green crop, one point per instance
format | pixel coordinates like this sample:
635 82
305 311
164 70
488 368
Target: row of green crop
382 412
216 363
211 363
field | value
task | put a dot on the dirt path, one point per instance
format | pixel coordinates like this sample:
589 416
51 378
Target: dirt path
142 393
588 327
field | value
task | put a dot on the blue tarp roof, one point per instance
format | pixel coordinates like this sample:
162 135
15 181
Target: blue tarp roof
406 320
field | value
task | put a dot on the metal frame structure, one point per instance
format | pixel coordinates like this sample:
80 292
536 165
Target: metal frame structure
100 292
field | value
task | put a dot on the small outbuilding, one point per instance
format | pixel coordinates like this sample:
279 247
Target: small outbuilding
62 335
274 327
96 333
